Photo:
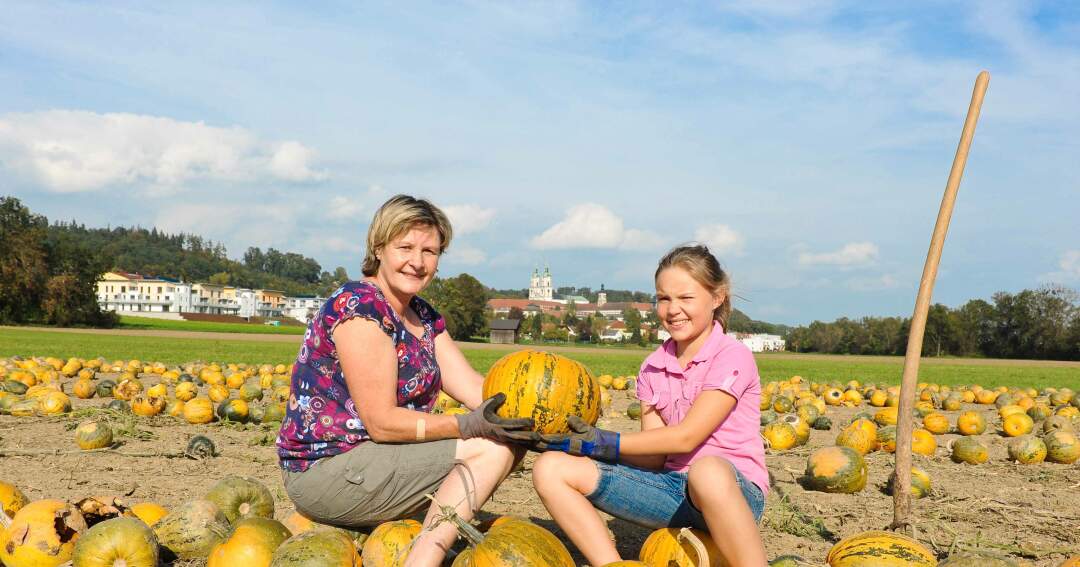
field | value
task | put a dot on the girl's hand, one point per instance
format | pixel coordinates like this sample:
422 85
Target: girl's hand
484 422
584 441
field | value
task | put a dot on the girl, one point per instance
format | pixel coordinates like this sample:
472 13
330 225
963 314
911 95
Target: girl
699 460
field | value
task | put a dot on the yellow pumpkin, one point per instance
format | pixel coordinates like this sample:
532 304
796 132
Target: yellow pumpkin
388 544
779 435
886 416
148 512
923 442
54 403
936 423
969 450
1062 447
42 534
971 423
251 543
1017 424
118 541
159 390
546 387
218 393
11 499
186 391
879 549
680 547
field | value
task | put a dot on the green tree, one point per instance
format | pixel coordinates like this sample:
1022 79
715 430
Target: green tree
461 301
23 261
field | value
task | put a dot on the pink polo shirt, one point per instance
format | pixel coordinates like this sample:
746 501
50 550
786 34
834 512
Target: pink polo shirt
725 364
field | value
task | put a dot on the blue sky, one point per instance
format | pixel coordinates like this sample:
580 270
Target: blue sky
807 142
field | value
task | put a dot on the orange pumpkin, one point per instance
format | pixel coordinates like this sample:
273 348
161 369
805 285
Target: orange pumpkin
546 387
147 406
251 543
680 547
198 410
148 512
388 544
779 435
83 389
42 533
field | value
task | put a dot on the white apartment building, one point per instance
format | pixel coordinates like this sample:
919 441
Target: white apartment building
761 342
303 307
134 293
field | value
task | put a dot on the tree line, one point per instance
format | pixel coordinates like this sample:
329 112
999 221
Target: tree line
49 272
1042 323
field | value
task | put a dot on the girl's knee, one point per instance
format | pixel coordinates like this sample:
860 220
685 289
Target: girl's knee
548 468
559 469
712 476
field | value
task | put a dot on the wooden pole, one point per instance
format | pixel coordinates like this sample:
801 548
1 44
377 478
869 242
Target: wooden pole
902 473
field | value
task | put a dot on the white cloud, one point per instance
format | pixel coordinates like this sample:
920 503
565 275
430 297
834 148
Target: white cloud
291 163
69 151
469 218
1069 269
590 225
852 254
721 239
465 255
344 208
885 281
340 244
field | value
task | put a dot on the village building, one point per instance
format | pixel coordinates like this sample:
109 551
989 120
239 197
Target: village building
132 293
504 331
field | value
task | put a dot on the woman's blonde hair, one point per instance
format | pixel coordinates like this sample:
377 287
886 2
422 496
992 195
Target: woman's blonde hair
395 217
705 269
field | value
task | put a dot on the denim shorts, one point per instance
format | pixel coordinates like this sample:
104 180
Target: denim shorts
658 499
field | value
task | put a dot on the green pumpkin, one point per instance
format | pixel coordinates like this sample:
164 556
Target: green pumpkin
836 469
240 497
105 388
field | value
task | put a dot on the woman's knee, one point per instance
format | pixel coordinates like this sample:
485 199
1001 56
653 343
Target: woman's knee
711 477
478 450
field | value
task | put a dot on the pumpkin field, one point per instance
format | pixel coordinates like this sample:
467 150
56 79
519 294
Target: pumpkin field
162 444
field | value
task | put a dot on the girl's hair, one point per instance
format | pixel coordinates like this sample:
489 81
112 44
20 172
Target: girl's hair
395 217
705 269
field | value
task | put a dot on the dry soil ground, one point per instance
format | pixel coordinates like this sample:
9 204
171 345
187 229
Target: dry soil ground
1031 512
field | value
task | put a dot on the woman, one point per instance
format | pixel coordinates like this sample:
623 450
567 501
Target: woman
359 445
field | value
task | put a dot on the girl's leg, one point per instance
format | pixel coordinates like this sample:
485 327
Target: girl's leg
715 491
489 463
563 481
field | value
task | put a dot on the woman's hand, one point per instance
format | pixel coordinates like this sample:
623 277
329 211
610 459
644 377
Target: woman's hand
583 440
484 422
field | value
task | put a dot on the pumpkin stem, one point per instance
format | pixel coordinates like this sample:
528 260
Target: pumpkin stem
686 534
448 513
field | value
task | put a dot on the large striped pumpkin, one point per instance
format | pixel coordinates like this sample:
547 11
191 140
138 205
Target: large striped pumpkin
546 387
836 469
879 549
326 548
510 543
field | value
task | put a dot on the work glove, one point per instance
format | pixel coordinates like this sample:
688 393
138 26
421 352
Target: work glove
583 440
484 422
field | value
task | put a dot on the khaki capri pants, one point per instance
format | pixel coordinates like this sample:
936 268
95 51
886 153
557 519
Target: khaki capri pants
371 483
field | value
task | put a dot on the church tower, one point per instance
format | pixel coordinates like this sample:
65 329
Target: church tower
540 287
